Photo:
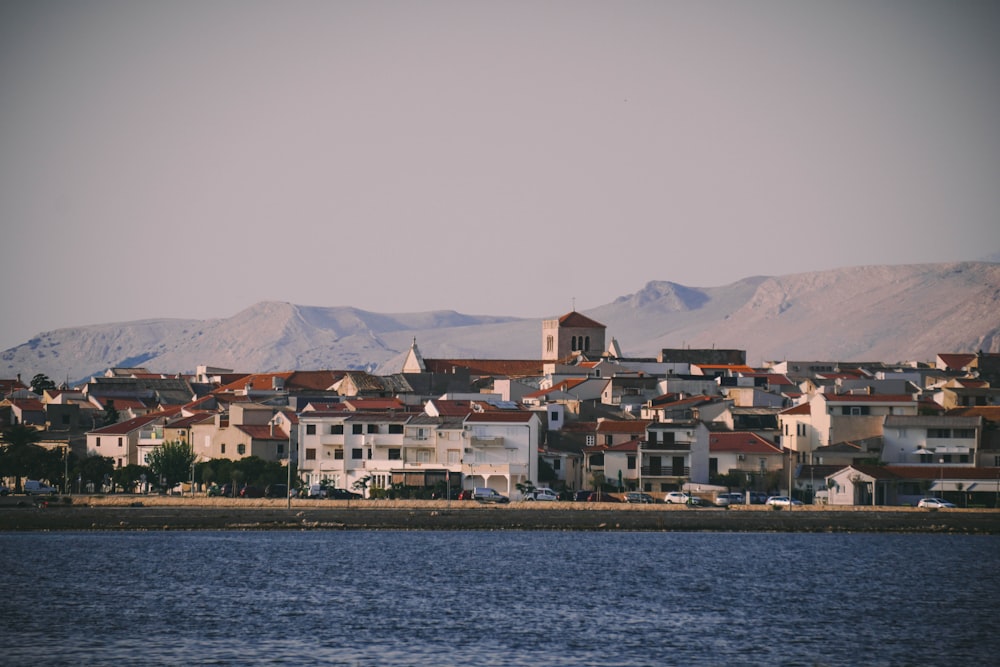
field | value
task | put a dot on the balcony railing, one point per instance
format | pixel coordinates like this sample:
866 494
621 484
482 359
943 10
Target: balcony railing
475 441
665 471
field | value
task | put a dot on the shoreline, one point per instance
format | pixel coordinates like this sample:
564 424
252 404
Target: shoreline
142 513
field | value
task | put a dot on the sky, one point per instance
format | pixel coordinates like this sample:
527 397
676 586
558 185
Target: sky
189 159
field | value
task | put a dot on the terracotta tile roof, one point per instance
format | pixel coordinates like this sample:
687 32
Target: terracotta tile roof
628 446
987 412
957 362
801 409
578 320
28 404
263 432
740 442
378 404
8 386
259 381
490 367
122 428
313 380
187 421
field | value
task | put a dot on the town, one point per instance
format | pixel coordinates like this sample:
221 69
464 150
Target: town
580 422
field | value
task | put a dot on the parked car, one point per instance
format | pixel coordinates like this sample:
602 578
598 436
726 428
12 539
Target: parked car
602 497
542 493
721 500
934 503
276 491
639 498
33 487
465 494
582 495
736 498
677 498
342 494
782 501
488 495
251 492
4 491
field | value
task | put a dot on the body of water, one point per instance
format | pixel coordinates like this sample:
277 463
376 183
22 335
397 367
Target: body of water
498 598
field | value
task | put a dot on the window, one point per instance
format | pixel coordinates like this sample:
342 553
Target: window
222 448
241 449
549 344
119 442
394 453
557 464
357 454
373 428
337 429
967 433
591 440
310 429
281 449
310 453
631 463
357 429
713 466
338 454
98 441
596 460
609 440
554 417
395 428
855 410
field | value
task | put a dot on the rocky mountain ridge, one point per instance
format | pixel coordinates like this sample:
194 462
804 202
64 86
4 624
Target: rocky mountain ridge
887 313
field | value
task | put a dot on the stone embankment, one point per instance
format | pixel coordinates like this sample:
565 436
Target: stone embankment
18 513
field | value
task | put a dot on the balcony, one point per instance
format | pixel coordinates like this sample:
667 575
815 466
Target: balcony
475 441
665 471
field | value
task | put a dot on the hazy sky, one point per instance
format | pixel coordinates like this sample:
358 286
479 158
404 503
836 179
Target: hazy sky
190 158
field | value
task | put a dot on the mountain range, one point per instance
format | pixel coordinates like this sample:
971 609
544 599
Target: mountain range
889 313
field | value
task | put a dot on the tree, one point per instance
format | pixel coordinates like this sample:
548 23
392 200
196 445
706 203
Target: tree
94 469
111 415
171 462
40 383
129 476
20 455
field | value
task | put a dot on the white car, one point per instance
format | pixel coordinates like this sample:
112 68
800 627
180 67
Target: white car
934 503
677 498
544 493
782 501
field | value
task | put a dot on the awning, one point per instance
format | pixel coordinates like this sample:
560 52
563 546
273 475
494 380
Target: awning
980 486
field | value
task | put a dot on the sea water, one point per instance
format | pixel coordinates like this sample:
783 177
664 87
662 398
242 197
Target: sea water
497 598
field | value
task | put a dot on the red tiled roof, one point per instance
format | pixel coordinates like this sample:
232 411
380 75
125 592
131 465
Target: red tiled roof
742 442
957 362
578 320
736 368
987 412
121 428
263 432
628 446
801 409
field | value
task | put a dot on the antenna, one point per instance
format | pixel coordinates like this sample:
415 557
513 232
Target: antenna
574 304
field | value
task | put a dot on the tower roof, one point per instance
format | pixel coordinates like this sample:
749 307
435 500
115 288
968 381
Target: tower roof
575 319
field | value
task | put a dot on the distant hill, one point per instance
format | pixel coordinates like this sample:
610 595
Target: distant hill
888 313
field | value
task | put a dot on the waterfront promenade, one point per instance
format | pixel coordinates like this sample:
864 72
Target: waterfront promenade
19 513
